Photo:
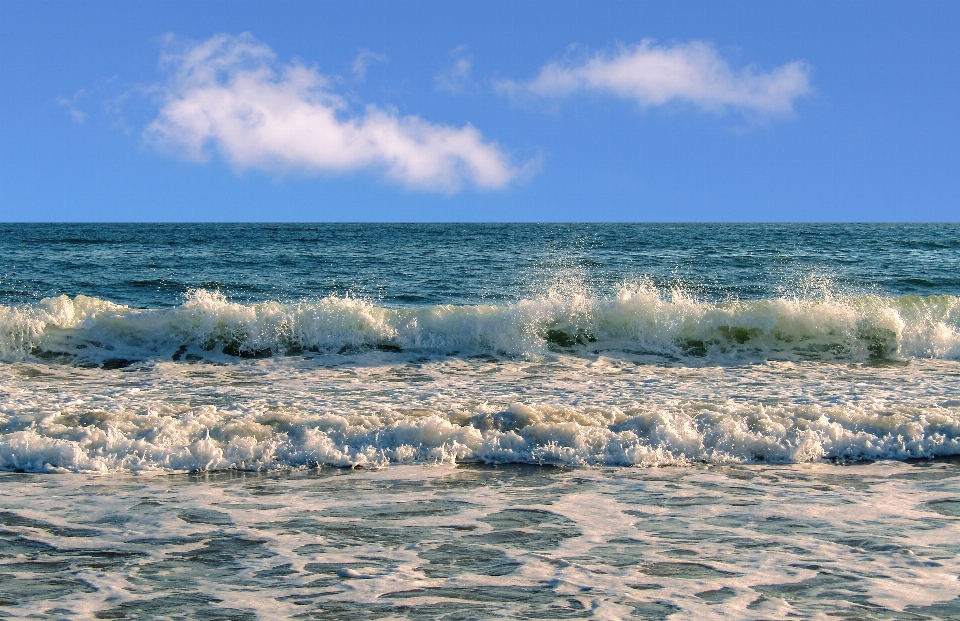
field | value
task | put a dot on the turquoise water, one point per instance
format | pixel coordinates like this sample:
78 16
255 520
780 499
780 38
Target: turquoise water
473 421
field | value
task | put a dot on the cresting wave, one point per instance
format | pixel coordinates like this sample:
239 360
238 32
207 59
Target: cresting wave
92 332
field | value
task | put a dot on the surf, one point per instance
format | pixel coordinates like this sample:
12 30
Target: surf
89 331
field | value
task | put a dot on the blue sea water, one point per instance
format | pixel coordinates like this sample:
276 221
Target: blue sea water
477 421
154 265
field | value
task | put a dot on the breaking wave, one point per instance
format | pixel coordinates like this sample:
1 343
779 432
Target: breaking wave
171 417
207 438
642 319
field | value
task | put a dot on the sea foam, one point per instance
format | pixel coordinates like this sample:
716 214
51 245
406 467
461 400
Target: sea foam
208 438
88 331
641 377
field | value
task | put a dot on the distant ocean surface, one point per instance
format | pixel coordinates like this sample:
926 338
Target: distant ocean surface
469 421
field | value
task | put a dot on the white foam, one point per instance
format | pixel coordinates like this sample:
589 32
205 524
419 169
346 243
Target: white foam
560 409
637 317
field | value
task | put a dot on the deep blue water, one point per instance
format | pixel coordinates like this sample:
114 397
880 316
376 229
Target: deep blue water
153 265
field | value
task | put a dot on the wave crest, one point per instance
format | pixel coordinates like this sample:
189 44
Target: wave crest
638 318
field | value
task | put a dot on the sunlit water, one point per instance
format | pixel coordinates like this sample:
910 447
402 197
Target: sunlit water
875 541
472 421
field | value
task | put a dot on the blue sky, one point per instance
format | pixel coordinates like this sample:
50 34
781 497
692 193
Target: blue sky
479 111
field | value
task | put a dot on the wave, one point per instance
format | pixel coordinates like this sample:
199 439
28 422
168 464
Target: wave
176 438
637 318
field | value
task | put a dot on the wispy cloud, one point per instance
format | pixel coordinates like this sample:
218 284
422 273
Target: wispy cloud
228 94
78 115
654 75
364 59
456 78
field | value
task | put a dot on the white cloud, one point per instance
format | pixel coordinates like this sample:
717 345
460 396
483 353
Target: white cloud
653 75
78 115
364 59
456 79
229 94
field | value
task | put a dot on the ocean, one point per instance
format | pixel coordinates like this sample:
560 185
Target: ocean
475 421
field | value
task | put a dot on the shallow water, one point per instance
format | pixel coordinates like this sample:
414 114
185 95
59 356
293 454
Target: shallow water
808 541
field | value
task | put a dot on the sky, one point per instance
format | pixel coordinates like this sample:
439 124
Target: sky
486 111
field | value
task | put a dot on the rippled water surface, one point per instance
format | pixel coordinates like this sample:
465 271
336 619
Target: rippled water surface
417 264
874 541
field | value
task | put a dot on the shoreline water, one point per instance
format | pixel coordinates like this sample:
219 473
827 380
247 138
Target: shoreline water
413 542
